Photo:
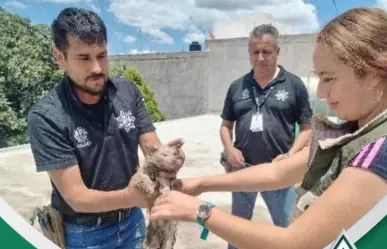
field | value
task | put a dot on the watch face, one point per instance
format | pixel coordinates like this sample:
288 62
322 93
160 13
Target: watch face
204 211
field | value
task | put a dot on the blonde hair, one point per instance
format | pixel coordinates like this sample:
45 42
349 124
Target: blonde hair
358 38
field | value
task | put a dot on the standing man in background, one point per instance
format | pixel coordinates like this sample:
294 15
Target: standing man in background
86 134
265 105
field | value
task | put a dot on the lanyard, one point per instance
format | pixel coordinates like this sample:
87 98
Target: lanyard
253 92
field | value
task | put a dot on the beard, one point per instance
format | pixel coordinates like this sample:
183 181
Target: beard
93 91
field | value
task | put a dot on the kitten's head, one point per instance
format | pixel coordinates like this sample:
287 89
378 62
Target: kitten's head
166 158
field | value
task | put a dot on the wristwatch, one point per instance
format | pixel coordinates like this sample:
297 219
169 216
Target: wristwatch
204 212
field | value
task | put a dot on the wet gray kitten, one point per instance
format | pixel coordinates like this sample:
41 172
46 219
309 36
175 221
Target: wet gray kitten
161 234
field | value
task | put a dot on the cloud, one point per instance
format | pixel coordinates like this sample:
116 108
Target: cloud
61 1
231 4
152 17
135 51
92 4
382 4
125 38
16 4
194 34
159 36
156 18
129 39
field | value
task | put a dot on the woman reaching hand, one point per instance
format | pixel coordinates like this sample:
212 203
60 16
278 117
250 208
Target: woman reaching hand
343 173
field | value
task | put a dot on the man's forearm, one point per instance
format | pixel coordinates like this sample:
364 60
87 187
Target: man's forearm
301 141
226 136
149 142
263 177
95 201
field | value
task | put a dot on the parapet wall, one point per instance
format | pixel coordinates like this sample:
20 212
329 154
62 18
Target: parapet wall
193 83
178 80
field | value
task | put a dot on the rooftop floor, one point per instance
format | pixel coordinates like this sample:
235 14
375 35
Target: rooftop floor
25 189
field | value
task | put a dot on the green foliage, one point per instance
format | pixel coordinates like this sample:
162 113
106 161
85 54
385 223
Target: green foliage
117 70
135 76
27 72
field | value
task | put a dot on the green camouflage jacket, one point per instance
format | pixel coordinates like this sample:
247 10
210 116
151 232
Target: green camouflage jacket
332 148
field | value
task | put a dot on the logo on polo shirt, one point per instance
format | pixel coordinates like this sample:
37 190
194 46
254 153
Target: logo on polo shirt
245 94
126 121
80 135
282 95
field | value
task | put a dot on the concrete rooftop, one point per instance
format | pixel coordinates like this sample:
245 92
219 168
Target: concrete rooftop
25 189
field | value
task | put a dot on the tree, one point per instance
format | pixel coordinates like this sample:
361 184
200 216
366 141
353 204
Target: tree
133 75
27 72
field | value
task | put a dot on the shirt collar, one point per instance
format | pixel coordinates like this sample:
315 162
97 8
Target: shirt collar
108 94
280 77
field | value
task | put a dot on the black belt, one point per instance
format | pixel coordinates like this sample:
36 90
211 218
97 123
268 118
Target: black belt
113 217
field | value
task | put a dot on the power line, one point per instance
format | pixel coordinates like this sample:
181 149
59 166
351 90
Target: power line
334 3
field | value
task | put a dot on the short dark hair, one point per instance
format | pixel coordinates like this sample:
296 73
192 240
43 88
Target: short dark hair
83 24
265 29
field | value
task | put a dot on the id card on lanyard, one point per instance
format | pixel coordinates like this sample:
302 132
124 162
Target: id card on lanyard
257 118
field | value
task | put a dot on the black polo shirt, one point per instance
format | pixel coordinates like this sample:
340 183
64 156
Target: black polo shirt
103 139
283 103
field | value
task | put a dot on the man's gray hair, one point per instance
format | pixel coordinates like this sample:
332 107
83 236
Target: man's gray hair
265 29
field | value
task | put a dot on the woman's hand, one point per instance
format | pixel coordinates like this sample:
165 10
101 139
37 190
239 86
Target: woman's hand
175 205
190 186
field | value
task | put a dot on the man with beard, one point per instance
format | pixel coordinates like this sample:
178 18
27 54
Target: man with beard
265 105
86 133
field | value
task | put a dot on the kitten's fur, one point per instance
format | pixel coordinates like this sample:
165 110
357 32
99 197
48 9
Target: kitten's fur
160 234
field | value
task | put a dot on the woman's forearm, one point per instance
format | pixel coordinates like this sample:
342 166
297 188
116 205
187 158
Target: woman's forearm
263 177
245 234
302 140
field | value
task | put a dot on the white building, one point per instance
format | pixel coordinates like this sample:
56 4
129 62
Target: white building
242 27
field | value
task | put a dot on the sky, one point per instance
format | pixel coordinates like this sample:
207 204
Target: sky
148 26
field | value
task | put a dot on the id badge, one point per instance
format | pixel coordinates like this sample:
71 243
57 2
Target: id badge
256 122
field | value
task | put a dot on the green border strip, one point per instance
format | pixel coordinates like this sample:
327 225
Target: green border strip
12 239
376 238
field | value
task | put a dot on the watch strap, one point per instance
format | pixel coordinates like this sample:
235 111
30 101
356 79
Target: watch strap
200 221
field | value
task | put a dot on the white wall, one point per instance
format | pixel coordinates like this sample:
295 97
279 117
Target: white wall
188 84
